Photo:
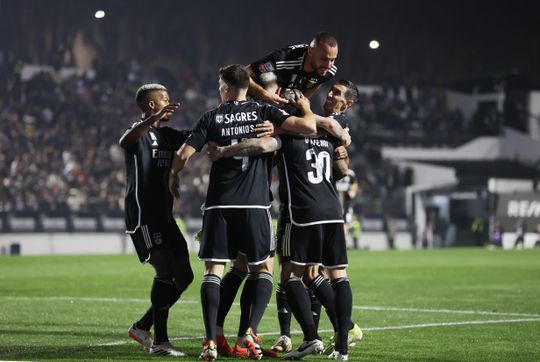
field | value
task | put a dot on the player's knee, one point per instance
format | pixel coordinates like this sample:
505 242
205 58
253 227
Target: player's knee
310 273
159 296
183 280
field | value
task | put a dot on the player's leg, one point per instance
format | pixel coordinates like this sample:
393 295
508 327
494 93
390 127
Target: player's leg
343 308
284 342
335 262
319 287
303 248
230 284
258 247
166 290
298 299
215 252
140 330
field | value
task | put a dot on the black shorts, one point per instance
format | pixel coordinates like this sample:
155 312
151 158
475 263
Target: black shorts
321 244
229 232
148 238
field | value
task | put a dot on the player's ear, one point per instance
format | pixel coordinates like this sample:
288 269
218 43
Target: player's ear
152 105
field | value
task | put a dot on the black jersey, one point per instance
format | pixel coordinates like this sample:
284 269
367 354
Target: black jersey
307 187
242 182
288 63
148 162
341 118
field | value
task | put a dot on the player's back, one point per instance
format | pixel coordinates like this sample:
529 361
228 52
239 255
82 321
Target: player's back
306 182
236 181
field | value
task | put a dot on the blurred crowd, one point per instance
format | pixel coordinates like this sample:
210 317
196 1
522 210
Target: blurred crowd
59 133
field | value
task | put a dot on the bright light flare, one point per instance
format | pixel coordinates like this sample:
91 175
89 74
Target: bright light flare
100 14
374 44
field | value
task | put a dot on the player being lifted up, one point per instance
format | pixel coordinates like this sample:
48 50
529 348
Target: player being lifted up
304 67
149 149
236 218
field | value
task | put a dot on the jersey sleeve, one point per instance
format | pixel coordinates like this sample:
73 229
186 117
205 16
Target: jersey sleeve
132 148
274 114
268 63
198 137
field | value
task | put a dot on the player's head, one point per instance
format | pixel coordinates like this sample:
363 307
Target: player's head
322 52
233 82
268 81
152 98
341 97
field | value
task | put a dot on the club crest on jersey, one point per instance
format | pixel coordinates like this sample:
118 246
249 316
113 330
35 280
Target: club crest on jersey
154 139
219 118
157 238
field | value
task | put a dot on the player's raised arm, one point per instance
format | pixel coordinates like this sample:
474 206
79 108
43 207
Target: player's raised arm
132 135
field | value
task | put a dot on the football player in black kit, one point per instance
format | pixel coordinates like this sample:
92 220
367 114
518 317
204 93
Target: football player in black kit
303 66
149 149
340 98
236 217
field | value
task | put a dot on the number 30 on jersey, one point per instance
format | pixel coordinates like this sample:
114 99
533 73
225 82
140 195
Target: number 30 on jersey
321 165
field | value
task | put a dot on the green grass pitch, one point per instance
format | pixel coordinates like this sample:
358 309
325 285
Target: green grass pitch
443 305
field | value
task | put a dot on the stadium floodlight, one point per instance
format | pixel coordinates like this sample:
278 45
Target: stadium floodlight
99 14
374 44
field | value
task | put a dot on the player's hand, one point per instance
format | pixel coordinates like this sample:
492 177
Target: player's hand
301 102
213 151
264 129
166 112
276 98
340 153
174 185
345 138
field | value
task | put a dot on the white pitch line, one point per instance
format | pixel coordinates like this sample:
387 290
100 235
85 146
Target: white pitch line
367 329
357 307
448 311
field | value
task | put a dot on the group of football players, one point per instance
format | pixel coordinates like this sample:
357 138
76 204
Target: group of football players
264 119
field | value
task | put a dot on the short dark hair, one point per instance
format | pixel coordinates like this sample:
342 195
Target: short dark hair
143 94
352 92
324 37
235 75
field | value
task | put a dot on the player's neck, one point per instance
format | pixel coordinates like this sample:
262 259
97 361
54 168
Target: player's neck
239 97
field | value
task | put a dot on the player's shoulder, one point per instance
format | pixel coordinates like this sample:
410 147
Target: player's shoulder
292 52
332 71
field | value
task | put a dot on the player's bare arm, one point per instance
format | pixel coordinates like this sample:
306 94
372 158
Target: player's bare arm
132 135
258 92
301 125
246 148
341 162
180 159
334 128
